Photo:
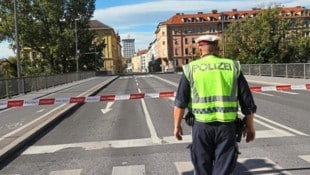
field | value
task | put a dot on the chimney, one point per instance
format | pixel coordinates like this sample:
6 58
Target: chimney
214 11
234 10
200 13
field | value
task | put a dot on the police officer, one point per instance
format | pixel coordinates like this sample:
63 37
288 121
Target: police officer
211 88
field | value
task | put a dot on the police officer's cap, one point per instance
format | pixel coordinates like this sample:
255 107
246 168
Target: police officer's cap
207 39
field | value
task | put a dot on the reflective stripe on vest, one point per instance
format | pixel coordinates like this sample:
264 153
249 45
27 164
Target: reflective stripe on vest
214 105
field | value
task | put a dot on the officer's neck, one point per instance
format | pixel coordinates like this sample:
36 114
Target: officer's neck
207 54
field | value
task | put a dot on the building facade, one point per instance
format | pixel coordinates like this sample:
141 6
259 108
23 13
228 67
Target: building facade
128 47
175 36
139 62
112 58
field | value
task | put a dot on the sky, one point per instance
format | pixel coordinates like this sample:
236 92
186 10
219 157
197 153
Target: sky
138 19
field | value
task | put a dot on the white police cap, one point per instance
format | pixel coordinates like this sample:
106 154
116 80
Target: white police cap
207 38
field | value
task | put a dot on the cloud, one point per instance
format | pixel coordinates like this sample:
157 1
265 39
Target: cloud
129 18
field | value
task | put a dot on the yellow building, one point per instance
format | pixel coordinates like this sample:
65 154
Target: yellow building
112 58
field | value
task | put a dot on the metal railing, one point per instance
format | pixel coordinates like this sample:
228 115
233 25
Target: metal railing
13 87
16 86
291 70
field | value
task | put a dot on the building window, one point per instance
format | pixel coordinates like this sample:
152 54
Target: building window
185 41
176 51
186 51
164 42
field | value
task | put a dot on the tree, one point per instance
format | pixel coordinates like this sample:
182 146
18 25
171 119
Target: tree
297 44
92 60
8 68
259 39
48 28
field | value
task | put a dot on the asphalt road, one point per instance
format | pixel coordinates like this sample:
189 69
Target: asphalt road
135 136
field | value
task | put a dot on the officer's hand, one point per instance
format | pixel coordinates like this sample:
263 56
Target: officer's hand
178 132
249 133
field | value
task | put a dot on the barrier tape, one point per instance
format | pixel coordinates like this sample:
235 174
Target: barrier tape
58 101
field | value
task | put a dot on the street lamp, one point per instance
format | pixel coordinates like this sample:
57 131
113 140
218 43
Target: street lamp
17 40
223 42
76 45
17 49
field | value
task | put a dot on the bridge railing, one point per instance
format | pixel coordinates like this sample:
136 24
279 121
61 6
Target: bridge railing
291 70
15 86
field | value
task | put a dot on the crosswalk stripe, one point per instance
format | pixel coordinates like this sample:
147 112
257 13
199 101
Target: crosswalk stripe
66 172
261 165
184 167
131 169
143 142
305 157
277 124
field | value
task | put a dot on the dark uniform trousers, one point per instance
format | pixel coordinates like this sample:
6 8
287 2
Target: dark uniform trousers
214 149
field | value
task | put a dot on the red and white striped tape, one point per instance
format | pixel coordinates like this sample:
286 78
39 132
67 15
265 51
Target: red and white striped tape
280 88
68 100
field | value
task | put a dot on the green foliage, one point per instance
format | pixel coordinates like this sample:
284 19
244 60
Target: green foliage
8 68
48 28
267 38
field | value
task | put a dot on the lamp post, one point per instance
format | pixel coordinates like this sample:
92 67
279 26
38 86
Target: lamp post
223 41
76 45
19 85
16 39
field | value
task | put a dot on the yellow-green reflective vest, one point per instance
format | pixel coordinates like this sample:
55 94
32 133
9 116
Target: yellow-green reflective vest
214 88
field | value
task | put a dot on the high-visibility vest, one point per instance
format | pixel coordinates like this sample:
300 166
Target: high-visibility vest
214 88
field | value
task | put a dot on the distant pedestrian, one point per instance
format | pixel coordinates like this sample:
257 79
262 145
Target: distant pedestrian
210 88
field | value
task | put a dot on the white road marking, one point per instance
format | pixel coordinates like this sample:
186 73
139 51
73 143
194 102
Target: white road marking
155 140
130 169
264 94
305 157
48 113
107 108
252 165
167 81
184 167
279 125
261 165
264 82
41 110
30 123
66 172
129 143
149 122
90 145
286 92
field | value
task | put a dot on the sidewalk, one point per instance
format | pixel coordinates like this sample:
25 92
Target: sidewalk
44 92
276 80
